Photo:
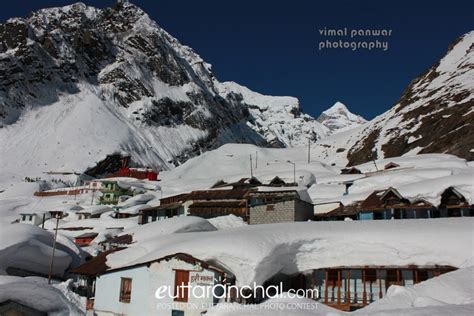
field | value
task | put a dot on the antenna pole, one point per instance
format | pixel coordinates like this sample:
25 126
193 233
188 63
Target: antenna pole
54 249
309 150
251 168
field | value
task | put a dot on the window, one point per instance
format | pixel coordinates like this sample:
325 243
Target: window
23 217
175 312
125 290
270 207
181 283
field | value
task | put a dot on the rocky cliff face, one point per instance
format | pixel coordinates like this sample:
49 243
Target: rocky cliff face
156 99
434 115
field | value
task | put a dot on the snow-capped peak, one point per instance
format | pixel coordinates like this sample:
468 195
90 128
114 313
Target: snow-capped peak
339 119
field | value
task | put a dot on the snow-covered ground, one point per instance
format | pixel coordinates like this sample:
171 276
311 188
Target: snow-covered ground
256 253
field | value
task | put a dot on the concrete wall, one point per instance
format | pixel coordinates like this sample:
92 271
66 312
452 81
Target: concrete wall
33 219
145 282
285 211
304 211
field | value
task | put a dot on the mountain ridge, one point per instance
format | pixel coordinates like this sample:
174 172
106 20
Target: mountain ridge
162 97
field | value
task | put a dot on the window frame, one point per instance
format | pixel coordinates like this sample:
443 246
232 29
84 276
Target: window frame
125 297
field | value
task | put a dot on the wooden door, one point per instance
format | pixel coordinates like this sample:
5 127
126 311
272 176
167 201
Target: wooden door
181 279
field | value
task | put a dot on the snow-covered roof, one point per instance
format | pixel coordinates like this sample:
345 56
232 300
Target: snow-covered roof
29 247
255 253
37 294
95 209
133 210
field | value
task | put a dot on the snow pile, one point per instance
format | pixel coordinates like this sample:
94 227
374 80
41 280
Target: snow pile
256 253
75 228
454 288
29 248
174 225
227 222
37 294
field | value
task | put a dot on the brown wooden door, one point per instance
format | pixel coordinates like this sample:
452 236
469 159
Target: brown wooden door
181 278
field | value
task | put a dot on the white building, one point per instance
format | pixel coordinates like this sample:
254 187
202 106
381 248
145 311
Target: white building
34 218
132 290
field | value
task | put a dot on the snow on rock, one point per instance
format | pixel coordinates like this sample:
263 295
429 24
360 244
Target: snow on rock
36 293
433 115
279 119
256 253
339 119
29 248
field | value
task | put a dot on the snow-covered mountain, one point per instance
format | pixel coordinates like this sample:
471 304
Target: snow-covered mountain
78 83
339 119
434 115
279 119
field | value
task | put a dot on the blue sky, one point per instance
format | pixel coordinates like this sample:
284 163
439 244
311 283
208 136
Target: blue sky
272 46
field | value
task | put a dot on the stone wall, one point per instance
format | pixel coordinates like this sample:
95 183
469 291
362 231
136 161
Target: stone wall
285 211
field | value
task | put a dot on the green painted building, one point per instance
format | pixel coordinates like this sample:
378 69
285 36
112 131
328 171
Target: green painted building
111 192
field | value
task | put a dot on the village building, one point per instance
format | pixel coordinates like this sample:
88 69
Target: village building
94 211
327 207
454 204
204 203
137 173
351 170
127 212
266 207
157 213
85 275
254 204
92 185
391 165
131 290
121 241
57 214
85 239
390 204
34 218
349 288
111 192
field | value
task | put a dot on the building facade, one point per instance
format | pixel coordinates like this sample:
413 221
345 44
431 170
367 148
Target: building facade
132 290
278 207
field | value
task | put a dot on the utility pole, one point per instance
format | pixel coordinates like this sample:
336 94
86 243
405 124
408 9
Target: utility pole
92 199
373 159
54 249
251 167
309 150
44 218
294 171
256 159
